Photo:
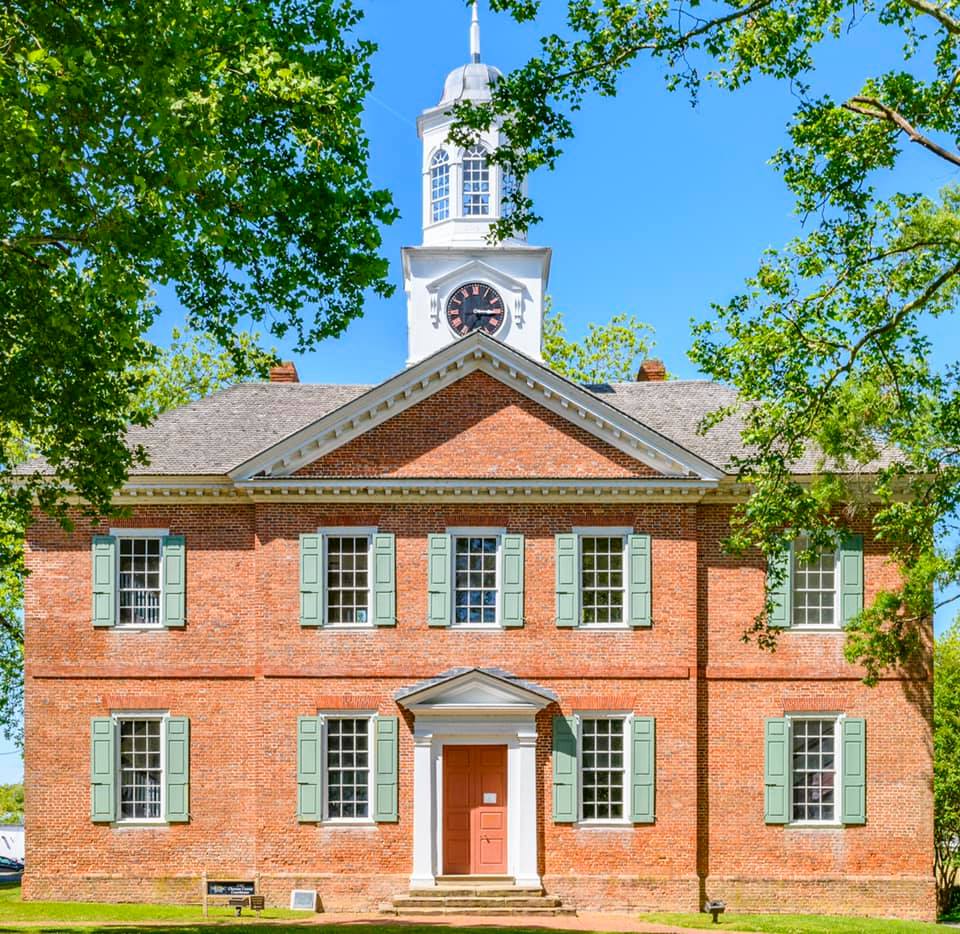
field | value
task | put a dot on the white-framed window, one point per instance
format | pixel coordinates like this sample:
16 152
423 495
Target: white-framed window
348 767
476 182
603 575
604 767
815 750
140 767
347 562
439 186
476 577
509 184
139 577
815 596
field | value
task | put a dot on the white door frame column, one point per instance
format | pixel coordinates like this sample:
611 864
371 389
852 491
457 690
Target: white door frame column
471 707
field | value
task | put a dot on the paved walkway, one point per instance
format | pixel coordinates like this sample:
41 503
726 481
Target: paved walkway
584 921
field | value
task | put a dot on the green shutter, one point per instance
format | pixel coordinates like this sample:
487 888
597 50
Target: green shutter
851 577
178 769
104 580
638 548
564 770
308 768
643 770
776 757
568 580
853 796
439 566
174 580
780 593
103 765
384 579
311 580
385 780
511 590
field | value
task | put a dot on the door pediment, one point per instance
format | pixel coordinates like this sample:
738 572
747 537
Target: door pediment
474 690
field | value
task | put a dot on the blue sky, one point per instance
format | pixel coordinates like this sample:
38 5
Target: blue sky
657 208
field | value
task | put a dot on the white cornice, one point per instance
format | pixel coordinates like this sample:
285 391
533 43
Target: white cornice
478 252
476 352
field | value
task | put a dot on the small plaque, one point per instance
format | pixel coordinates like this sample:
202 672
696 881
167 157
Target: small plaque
231 888
303 900
489 797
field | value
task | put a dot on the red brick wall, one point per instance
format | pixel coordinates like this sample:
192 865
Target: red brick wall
477 427
243 670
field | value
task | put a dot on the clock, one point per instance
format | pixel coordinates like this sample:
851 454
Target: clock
475 307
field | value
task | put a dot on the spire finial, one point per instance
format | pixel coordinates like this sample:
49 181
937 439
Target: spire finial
475 35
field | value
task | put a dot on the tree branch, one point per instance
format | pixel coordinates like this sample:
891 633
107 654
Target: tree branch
677 43
869 107
938 13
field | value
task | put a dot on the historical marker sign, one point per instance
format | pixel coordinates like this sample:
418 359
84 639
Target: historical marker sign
230 888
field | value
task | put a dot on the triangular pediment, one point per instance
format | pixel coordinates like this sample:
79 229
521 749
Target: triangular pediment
472 690
566 401
475 269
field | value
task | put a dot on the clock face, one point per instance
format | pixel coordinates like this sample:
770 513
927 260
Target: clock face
475 307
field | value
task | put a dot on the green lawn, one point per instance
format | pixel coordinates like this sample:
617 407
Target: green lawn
796 924
19 917
13 909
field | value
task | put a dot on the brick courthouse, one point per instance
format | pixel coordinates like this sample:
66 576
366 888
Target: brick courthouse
474 621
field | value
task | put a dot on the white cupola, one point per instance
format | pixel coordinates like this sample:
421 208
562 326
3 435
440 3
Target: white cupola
462 192
457 281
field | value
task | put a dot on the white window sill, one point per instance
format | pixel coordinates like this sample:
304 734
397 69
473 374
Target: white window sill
603 825
604 627
348 627
476 627
815 825
345 823
141 824
820 629
139 627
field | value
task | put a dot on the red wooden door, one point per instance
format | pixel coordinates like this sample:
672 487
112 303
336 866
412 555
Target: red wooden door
474 810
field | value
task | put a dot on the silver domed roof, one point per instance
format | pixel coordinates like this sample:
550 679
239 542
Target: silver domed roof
471 82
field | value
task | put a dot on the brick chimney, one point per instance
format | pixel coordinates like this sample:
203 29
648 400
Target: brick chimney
651 371
285 373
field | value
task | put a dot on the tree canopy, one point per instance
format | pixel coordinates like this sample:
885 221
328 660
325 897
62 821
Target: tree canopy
946 763
607 353
11 804
212 146
190 367
829 344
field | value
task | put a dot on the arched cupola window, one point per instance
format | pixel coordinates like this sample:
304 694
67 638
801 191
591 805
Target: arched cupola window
476 182
509 185
439 186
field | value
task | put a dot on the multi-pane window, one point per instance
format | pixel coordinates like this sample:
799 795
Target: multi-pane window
348 767
439 186
602 579
602 768
814 769
139 581
141 769
509 185
475 579
348 578
814 586
476 182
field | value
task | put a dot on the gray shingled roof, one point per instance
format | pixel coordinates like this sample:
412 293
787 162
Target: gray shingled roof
217 434
214 435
